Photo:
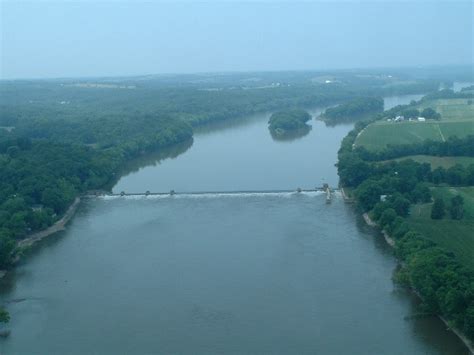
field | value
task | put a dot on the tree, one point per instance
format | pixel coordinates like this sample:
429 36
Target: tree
378 209
387 218
411 113
4 316
51 197
429 113
421 193
7 247
439 175
456 208
401 205
437 211
469 322
368 194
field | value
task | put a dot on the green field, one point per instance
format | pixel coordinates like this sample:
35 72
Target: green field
436 162
456 236
457 120
380 134
451 109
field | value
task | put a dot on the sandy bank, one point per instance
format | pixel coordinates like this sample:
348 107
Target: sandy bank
346 198
371 223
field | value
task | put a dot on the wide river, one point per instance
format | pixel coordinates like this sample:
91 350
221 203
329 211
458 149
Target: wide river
249 273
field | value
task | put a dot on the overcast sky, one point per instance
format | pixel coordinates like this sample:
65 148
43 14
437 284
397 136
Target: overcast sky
73 39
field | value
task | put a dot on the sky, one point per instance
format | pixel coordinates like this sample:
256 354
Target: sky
43 39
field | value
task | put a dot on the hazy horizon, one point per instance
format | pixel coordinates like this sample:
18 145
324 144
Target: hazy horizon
84 39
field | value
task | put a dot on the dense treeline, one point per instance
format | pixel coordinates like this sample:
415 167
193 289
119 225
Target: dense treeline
448 94
445 286
81 108
386 191
283 122
354 109
202 99
453 146
467 89
40 178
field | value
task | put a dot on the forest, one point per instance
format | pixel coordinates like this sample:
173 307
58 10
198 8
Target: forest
354 109
40 178
284 122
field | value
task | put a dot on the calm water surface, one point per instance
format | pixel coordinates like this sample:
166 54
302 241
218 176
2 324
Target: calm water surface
244 156
281 273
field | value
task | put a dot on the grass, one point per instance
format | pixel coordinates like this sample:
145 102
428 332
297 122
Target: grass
456 236
451 109
457 120
380 134
436 162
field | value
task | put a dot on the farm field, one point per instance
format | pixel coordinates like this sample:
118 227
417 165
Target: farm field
438 162
450 109
457 120
456 236
380 134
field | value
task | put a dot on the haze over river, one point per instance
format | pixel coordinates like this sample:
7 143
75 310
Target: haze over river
210 274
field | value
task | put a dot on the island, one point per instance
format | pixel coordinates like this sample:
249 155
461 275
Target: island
353 110
289 123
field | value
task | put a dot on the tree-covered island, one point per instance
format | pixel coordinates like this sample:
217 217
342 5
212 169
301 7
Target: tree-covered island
289 122
354 109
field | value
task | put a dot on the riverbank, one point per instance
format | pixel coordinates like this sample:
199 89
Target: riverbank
390 241
38 236
56 227
345 196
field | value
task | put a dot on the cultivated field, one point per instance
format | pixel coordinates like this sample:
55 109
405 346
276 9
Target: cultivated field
451 109
456 236
457 120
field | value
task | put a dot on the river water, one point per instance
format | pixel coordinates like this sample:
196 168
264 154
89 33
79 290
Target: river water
248 273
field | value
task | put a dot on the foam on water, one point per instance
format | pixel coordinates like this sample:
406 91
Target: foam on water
210 195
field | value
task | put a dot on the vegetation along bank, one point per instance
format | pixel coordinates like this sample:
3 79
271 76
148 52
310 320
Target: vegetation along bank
427 211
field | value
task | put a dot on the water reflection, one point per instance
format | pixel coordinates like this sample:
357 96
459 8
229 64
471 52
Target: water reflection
224 125
152 159
290 136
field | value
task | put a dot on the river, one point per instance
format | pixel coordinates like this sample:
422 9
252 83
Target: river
249 273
